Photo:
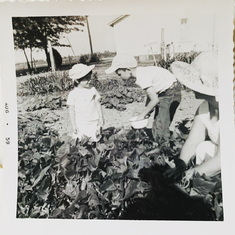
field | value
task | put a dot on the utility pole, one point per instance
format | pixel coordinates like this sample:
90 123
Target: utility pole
89 35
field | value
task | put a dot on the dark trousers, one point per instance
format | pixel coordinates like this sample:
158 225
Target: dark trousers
165 110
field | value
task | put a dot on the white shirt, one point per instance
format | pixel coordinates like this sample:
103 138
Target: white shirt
159 78
84 101
212 128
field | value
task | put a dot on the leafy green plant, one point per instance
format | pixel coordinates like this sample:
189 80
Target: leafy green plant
45 84
95 57
186 57
89 58
116 93
84 59
60 177
52 102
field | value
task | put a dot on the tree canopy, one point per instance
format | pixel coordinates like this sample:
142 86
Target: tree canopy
34 32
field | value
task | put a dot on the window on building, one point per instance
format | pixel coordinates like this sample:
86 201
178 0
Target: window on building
184 20
184 29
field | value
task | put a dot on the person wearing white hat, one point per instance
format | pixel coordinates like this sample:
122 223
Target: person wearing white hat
84 107
162 89
203 141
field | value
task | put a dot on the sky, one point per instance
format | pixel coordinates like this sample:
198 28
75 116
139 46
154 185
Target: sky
136 34
102 39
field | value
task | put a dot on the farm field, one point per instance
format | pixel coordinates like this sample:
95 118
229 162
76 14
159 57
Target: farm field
117 178
113 117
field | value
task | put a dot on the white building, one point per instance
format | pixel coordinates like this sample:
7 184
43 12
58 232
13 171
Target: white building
193 29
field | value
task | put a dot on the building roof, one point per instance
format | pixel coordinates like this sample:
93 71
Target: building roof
117 20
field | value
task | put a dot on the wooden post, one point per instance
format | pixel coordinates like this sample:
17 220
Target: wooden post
51 57
163 54
172 51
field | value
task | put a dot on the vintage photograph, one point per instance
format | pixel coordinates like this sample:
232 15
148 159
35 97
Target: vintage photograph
118 116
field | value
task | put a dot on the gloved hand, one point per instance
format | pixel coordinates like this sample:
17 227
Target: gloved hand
176 174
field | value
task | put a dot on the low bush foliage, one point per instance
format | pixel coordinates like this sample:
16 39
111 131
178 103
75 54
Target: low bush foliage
114 93
90 58
60 177
186 57
45 84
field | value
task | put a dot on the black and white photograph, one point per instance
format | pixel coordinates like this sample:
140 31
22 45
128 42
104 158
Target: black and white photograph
119 115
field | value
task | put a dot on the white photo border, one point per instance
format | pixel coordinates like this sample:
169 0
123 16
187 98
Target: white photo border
8 222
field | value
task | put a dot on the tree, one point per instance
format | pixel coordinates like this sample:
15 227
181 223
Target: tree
34 32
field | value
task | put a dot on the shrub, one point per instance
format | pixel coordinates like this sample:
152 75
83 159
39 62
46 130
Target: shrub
83 59
95 58
186 57
46 83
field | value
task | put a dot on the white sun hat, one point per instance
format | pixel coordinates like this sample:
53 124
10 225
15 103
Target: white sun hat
121 61
201 75
78 71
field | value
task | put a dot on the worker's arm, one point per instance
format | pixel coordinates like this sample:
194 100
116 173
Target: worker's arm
153 101
196 136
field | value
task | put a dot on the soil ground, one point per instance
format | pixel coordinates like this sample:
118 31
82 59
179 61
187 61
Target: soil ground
59 119
113 117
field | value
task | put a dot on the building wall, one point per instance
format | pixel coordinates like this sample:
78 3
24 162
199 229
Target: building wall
189 30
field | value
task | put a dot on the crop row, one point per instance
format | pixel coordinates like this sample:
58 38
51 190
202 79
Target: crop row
60 177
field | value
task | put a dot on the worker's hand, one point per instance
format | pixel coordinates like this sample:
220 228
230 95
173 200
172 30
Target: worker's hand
141 117
176 173
190 173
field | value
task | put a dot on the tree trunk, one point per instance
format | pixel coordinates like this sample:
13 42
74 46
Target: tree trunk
28 64
47 57
47 54
31 58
